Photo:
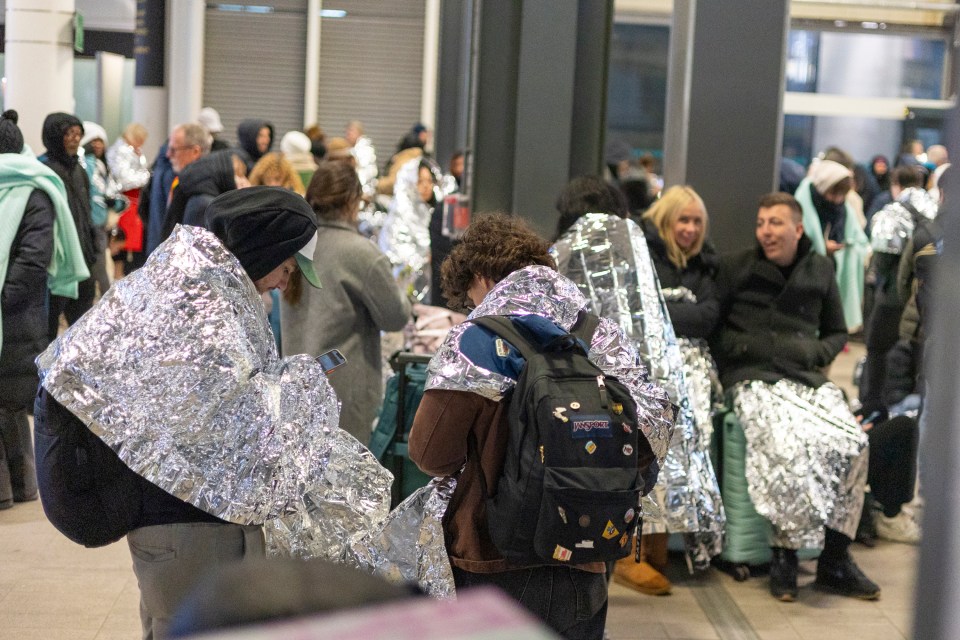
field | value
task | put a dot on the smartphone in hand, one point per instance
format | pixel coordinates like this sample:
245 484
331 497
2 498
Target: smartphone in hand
331 360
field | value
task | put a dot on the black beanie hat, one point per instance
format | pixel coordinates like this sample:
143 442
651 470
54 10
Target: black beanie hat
261 226
11 139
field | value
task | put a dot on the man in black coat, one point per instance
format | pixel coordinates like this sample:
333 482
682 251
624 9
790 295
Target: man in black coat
61 136
782 324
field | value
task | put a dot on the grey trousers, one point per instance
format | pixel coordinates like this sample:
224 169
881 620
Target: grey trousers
169 560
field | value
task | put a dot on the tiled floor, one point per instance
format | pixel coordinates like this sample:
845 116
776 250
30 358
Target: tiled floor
51 588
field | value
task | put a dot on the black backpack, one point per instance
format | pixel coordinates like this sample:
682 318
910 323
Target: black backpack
573 470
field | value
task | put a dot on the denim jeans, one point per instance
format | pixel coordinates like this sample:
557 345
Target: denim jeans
571 602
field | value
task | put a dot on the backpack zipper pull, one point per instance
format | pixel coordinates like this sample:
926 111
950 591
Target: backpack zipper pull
541 454
602 386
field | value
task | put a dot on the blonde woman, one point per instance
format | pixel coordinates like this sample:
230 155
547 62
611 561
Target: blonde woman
273 170
676 231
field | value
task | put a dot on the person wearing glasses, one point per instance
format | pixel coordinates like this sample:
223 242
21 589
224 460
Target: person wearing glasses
188 143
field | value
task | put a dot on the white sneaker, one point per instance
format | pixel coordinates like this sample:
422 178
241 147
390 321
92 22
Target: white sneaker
900 528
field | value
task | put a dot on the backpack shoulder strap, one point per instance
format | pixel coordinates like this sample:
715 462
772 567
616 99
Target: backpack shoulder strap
585 326
506 329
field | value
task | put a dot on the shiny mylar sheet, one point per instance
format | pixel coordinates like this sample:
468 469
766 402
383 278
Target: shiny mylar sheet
176 369
542 291
128 167
892 226
608 258
408 545
806 461
366 157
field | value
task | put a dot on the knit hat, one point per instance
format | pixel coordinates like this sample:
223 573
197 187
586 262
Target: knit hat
826 173
294 142
92 131
11 139
263 227
210 120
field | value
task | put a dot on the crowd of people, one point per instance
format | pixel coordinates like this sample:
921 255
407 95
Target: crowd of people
339 251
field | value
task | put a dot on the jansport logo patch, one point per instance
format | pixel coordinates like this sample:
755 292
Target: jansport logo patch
597 426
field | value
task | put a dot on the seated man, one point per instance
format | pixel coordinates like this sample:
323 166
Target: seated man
782 323
501 267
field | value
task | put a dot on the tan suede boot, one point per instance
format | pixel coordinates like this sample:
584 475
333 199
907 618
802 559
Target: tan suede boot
654 550
641 575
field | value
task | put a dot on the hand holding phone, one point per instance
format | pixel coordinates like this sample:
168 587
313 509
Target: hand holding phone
331 360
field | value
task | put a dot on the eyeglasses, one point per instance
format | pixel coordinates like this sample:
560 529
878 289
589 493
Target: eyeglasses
179 149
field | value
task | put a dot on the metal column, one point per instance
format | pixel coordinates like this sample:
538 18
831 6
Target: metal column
725 107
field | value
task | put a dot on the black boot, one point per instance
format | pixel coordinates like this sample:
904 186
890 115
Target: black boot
783 574
867 529
838 573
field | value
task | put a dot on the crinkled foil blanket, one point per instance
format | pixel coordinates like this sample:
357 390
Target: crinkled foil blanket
609 260
893 226
542 291
405 235
806 462
176 369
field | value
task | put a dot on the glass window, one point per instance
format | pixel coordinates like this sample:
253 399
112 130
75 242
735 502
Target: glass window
637 86
866 65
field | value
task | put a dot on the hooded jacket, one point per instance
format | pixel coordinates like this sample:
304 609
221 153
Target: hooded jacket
200 182
247 132
74 177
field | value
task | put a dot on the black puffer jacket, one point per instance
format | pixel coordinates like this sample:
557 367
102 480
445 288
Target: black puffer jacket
247 132
24 302
690 320
775 327
200 182
88 493
74 177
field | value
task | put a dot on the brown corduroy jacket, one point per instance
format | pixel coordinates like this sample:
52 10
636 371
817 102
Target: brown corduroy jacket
439 446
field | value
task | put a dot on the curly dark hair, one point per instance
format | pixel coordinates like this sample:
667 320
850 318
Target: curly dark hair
494 246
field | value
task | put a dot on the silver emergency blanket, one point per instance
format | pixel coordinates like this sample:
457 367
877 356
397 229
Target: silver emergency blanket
366 157
405 234
176 369
408 545
806 462
542 291
370 220
127 165
608 258
102 182
705 393
893 226
703 385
